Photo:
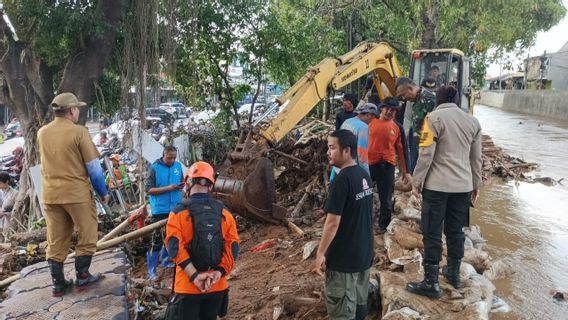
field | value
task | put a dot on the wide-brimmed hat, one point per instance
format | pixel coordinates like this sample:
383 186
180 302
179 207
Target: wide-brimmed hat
65 101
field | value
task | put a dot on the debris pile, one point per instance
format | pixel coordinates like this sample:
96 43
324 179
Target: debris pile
497 163
272 277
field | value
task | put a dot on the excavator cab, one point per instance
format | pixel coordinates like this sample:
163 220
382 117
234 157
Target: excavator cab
433 68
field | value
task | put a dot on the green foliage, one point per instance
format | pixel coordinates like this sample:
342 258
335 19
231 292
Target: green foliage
54 29
313 30
296 38
210 35
108 93
241 90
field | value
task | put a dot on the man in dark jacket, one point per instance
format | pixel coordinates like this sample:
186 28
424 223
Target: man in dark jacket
349 104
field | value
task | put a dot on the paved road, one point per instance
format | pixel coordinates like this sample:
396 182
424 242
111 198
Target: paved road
30 297
9 145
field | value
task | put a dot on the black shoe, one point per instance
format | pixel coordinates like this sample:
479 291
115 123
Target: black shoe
84 278
429 286
60 284
452 272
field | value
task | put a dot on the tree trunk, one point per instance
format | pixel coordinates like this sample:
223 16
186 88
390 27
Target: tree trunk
28 90
431 21
259 82
85 66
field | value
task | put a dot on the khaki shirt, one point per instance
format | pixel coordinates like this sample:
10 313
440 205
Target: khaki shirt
450 152
64 149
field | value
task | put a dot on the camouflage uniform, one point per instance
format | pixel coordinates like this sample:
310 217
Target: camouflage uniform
424 104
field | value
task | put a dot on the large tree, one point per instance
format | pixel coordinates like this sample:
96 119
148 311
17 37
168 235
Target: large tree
309 30
54 46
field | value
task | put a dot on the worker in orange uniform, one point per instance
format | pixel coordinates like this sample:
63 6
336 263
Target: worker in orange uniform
202 240
385 141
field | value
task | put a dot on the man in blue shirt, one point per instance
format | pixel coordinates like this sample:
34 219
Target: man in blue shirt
163 185
360 128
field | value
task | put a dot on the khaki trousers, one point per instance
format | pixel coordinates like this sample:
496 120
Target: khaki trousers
60 219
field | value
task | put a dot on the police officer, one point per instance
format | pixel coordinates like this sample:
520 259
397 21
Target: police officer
448 174
68 159
202 239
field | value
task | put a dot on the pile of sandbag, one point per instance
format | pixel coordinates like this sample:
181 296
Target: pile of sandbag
405 249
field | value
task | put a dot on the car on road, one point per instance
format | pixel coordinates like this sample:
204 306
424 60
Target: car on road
176 109
13 129
158 113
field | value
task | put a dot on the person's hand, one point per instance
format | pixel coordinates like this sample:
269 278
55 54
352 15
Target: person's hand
474 196
105 199
215 277
202 282
319 264
173 187
406 178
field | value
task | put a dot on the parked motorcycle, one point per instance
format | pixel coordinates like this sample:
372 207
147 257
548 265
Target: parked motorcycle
7 164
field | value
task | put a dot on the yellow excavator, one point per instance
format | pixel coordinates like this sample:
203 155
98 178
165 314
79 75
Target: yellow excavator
246 183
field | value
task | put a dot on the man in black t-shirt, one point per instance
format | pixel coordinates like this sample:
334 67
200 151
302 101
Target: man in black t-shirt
346 247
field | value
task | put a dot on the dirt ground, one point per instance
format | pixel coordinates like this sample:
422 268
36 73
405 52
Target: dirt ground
267 281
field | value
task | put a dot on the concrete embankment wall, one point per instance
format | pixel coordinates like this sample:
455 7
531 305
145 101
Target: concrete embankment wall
553 104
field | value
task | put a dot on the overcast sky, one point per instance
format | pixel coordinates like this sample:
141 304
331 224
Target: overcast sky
551 41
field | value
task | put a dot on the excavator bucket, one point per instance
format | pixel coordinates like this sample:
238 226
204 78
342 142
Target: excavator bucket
253 196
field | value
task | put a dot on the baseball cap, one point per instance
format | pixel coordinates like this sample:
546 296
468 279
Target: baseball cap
66 100
367 108
391 102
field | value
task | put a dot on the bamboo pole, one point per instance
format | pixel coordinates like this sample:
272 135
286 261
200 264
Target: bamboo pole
6 282
120 227
131 235
294 228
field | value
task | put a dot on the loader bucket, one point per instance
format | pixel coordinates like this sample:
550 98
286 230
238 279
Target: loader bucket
254 196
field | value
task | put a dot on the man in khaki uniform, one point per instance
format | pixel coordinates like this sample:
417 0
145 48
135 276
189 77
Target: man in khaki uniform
68 159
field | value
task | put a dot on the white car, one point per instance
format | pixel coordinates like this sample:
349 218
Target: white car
245 108
176 109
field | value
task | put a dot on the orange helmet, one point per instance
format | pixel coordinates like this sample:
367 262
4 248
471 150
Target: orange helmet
200 169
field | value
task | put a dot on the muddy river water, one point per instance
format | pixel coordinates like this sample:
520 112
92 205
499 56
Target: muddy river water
528 223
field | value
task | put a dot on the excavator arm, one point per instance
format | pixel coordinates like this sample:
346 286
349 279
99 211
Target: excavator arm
246 182
333 73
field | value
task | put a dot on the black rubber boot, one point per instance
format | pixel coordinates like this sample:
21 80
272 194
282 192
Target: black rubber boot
84 278
429 286
452 272
60 284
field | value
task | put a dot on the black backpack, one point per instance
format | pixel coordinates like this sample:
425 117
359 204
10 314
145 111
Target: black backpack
206 248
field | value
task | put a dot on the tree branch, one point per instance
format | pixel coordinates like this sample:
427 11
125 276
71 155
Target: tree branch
87 63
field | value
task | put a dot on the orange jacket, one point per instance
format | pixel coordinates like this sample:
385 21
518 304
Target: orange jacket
180 227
